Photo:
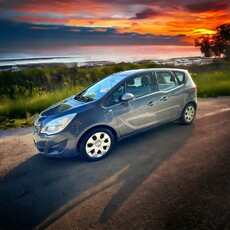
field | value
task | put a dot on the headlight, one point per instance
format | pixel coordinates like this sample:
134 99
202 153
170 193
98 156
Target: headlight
57 125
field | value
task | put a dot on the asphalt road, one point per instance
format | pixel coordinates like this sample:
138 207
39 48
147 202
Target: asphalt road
173 177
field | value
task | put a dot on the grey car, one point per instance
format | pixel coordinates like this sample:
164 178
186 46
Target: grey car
120 105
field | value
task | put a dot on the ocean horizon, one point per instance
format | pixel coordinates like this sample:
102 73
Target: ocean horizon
86 54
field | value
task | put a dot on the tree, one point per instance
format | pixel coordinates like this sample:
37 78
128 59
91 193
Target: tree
206 45
217 44
223 34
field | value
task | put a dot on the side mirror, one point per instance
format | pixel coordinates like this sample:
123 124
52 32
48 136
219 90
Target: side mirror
127 97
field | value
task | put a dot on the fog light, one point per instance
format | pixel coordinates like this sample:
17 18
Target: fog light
58 147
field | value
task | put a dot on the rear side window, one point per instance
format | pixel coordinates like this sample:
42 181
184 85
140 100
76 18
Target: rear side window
180 77
166 81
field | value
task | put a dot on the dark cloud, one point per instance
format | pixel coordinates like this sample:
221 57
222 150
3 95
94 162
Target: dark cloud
163 3
180 36
29 36
207 6
148 13
191 5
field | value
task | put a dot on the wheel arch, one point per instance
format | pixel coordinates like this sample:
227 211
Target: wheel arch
181 119
192 102
189 102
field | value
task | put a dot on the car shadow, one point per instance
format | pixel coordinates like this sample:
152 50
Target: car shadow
35 189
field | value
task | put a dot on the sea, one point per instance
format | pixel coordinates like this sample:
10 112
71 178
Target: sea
82 55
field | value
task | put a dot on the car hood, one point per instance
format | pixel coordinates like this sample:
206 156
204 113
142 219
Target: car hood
61 107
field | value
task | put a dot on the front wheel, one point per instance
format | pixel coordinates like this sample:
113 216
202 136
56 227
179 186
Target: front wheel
96 144
188 114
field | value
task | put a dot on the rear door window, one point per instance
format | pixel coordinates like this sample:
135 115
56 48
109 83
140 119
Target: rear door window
166 81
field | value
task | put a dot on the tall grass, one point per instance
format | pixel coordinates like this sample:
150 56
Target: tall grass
209 84
212 84
22 108
211 80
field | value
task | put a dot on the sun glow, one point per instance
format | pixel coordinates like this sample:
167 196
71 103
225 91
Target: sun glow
204 31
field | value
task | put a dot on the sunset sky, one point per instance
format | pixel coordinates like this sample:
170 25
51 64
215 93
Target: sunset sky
104 22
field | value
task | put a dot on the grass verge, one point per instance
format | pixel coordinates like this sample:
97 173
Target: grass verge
22 112
211 80
212 84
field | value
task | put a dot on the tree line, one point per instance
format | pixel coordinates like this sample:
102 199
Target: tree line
215 44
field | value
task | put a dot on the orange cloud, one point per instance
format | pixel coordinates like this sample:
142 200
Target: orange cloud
99 23
81 8
158 18
75 30
98 30
134 24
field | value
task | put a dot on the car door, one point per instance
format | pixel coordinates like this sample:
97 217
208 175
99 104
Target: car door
170 97
139 113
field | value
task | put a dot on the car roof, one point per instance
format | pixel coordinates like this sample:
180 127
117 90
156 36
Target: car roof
134 71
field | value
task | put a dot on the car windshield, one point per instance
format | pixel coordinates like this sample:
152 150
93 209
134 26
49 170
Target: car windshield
99 89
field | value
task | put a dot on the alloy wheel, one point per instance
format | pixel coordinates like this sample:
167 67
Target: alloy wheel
189 113
98 144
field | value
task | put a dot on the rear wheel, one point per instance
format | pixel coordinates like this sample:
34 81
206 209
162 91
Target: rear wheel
188 114
96 144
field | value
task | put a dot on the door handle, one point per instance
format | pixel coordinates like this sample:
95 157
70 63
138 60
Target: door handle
164 98
151 103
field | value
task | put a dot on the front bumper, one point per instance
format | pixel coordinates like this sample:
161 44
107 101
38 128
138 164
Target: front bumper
58 145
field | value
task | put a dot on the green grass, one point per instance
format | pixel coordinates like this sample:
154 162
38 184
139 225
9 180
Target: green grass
22 112
28 100
212 84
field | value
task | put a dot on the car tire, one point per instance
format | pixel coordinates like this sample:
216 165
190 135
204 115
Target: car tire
188 114
96 144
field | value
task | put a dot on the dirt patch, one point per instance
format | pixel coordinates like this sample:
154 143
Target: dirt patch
14 150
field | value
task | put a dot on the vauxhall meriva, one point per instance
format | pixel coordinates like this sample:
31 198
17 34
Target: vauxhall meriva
118 106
